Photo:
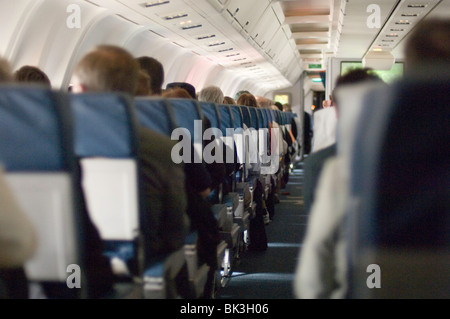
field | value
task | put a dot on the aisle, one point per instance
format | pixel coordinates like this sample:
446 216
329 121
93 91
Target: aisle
269 274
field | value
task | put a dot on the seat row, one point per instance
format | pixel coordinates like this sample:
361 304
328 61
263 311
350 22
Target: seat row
61 150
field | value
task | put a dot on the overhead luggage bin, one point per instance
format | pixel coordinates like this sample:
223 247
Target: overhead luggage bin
247 13
266 27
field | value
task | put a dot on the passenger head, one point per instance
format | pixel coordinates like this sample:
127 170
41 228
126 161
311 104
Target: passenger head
143 87
238 94
211 94
106 68
354 76
247 99
155 70
32 74
263 102
279 106
229 100
176 92
5 71
428 44
287 108
188 87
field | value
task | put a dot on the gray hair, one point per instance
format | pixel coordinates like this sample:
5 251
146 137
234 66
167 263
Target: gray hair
211 94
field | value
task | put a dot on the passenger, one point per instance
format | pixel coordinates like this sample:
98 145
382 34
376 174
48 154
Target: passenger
321 269
155 70
428 46
176 93
229 100
307 133
6 75
113 69
279 106
404 199
282 147
247 99
263 102
201 179
238 94
18 243
212 94
188 87
143 88
286 108
257 231
32 74
314 163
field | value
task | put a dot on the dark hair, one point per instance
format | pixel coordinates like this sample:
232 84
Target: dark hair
428 43
32 74
354 76
188 87
279 105
155 70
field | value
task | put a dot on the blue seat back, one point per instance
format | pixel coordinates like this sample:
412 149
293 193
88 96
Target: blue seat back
186 113
238 116
31 136
400 189
254 117
247 116
36 149
105 125
155 114
211 111
106 141
227 118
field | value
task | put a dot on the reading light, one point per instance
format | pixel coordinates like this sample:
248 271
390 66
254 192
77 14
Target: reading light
156 3
417 5
176 16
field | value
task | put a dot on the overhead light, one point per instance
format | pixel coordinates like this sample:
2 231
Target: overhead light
317 80
416 6
226 50
214 44
378 60
176 16
410 15
192 26
206 37
377 49
156 3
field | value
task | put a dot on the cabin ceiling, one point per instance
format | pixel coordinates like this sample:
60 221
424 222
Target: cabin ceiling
276 41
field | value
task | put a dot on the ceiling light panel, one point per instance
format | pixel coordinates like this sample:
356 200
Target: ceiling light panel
401 22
